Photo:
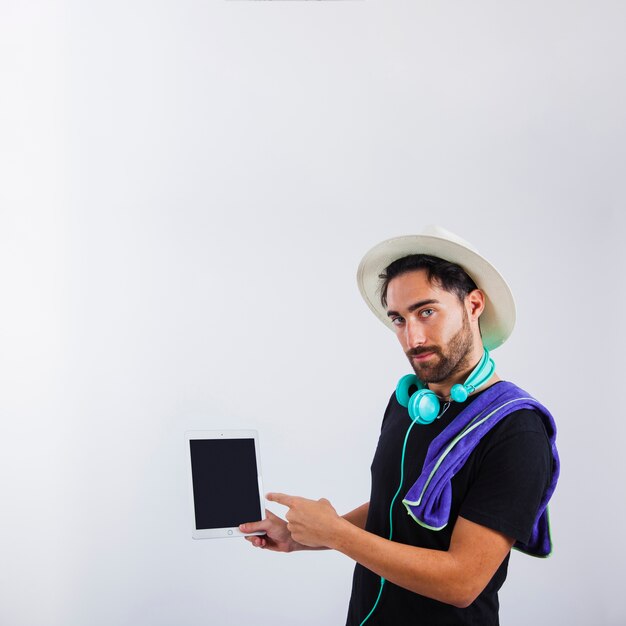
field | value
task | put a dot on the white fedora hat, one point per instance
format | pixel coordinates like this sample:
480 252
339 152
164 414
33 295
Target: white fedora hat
498 318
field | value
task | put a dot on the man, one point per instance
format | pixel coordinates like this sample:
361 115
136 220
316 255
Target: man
474 474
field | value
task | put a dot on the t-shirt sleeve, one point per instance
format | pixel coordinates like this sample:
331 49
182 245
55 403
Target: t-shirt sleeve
512 470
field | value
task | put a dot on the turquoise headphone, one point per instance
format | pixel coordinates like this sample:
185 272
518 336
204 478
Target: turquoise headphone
423 404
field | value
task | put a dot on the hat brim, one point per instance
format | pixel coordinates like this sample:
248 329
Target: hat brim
498 318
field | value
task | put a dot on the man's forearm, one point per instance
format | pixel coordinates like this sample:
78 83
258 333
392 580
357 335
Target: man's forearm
397 562
455 576
358 516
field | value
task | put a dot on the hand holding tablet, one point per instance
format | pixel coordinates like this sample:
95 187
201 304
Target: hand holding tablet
276 537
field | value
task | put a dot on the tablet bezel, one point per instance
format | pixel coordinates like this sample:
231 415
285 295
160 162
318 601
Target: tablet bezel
216 533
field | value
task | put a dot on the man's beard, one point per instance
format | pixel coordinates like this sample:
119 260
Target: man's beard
453 360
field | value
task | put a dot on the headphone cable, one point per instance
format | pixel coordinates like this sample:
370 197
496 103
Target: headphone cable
383 580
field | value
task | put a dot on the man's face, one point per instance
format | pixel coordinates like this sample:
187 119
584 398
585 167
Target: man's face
432 326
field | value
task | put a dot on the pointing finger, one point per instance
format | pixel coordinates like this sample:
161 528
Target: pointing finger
281 498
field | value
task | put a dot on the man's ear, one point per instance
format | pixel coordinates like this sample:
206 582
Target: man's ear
475 303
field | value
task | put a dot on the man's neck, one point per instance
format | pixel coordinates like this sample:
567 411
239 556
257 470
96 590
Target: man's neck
442 389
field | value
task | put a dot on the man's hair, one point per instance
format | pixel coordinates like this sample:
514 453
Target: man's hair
447 275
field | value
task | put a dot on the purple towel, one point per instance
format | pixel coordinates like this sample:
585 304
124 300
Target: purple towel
428 500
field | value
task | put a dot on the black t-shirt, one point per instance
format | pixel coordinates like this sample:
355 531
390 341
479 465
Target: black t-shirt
500 487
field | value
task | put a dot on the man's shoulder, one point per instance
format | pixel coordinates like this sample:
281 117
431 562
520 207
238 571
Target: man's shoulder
531 416
524 423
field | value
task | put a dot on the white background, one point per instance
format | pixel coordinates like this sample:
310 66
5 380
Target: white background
186 191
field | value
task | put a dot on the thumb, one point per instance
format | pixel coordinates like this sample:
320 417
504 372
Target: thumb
255 527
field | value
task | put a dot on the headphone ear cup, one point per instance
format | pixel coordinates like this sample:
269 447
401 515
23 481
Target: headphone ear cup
459 393
424 406
403 388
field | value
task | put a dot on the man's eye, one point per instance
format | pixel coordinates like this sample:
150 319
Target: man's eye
427 312
396 321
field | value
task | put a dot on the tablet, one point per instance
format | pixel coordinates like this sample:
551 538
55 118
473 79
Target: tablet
225 481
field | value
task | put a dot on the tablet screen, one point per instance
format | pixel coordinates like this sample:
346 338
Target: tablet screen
225 482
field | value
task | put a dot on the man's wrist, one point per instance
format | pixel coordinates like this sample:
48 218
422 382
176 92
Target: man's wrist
342 530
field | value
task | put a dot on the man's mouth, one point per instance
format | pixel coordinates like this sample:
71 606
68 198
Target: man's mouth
422 356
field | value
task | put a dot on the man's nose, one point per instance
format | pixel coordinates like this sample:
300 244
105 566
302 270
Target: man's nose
414 334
